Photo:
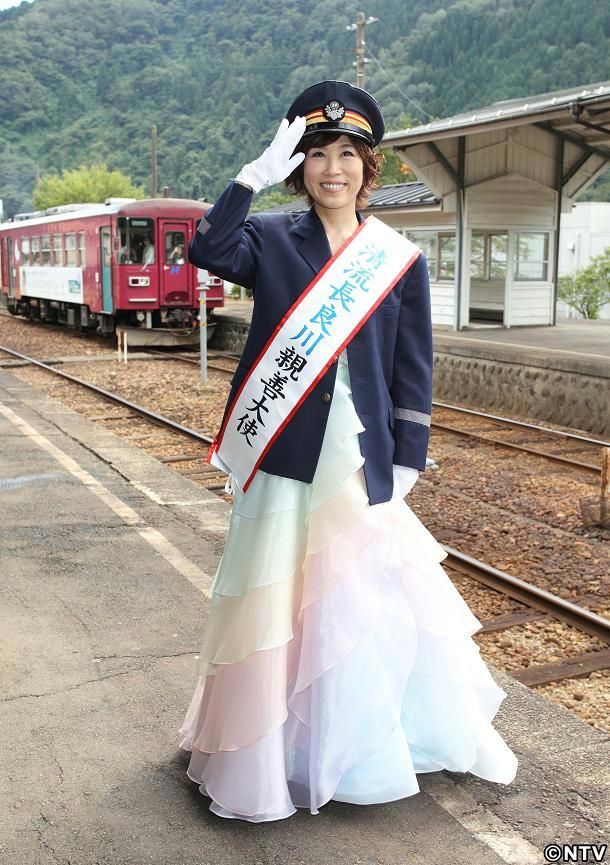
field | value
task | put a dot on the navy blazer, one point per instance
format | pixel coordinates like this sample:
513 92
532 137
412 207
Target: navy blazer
390 358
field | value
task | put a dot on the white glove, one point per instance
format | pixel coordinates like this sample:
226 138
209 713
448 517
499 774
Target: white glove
404 480
276 163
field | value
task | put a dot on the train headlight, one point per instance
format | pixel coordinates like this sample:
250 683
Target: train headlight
140 315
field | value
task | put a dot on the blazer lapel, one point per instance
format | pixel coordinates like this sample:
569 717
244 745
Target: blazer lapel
312 243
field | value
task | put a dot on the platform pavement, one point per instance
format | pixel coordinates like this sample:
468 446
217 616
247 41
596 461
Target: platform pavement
107 557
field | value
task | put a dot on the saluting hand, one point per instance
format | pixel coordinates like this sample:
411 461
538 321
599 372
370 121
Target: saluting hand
276 162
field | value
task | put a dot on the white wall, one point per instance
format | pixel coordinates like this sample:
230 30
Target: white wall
584 233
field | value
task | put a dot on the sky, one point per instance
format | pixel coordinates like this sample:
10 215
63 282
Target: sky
4 4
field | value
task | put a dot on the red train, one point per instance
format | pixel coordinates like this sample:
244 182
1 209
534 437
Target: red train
96 266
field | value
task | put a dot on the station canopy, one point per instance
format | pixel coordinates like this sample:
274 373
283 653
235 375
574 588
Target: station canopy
580 114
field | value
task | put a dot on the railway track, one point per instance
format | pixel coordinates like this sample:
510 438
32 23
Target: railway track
212 475
212 357
495 424
544 435
494 433
539 604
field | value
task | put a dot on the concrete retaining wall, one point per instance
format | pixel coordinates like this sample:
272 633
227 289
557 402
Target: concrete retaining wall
567 390
229 335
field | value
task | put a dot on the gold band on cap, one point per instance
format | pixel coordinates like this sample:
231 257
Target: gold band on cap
350 117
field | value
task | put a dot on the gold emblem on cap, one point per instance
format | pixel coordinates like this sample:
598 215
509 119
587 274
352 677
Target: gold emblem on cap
334 110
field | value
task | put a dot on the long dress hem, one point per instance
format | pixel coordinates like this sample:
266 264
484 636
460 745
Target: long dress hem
338 659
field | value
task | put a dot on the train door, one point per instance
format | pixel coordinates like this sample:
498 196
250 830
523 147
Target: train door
106 259
9 267
175 273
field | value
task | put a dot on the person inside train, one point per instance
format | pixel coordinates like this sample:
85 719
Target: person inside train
176 256
148 252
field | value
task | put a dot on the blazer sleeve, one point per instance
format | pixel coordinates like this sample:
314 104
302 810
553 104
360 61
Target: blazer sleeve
411 388
226 242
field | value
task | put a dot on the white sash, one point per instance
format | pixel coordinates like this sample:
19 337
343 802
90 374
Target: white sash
314 331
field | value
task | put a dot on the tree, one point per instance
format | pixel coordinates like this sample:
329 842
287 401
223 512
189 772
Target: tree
17 173
93 183
394 170
588 289
599 190
270 199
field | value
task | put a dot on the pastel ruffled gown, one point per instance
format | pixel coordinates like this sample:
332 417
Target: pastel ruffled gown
338 660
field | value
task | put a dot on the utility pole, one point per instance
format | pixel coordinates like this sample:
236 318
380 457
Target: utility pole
359 25
153 162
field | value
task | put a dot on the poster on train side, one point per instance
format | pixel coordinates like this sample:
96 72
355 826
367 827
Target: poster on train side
56 283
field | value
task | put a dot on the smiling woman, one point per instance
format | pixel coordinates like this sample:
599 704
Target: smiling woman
337 661
326 153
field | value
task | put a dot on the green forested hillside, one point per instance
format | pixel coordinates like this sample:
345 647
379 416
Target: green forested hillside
84 83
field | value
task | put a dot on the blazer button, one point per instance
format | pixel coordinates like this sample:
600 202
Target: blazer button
325 397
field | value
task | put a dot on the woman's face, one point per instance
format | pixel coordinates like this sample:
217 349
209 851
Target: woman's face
333 174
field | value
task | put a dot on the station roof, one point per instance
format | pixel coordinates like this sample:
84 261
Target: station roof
581 113
395 195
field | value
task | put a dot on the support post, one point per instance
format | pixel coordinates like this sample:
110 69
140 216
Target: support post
459 230
203 333
153 161
559 191
121 338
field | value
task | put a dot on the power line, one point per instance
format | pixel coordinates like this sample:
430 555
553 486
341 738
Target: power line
400 90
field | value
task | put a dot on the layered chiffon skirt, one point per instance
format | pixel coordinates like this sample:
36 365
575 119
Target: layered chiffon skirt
338 659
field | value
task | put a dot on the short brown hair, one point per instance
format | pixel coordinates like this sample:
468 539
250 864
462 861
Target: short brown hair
371 165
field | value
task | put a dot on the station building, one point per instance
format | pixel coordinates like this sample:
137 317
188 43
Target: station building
502 178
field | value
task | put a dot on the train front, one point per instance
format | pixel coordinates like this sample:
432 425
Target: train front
151 281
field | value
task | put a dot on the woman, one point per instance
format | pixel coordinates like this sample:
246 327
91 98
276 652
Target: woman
338 660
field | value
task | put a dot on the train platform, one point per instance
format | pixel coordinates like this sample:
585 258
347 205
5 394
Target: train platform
107 560
576 337
557 374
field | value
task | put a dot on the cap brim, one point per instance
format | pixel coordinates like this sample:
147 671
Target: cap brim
339 129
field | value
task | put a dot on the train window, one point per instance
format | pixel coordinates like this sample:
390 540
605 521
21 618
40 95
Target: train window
82 255
174 247
25 251
106 249
46 249
136 240
71 250
58 250
35 250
